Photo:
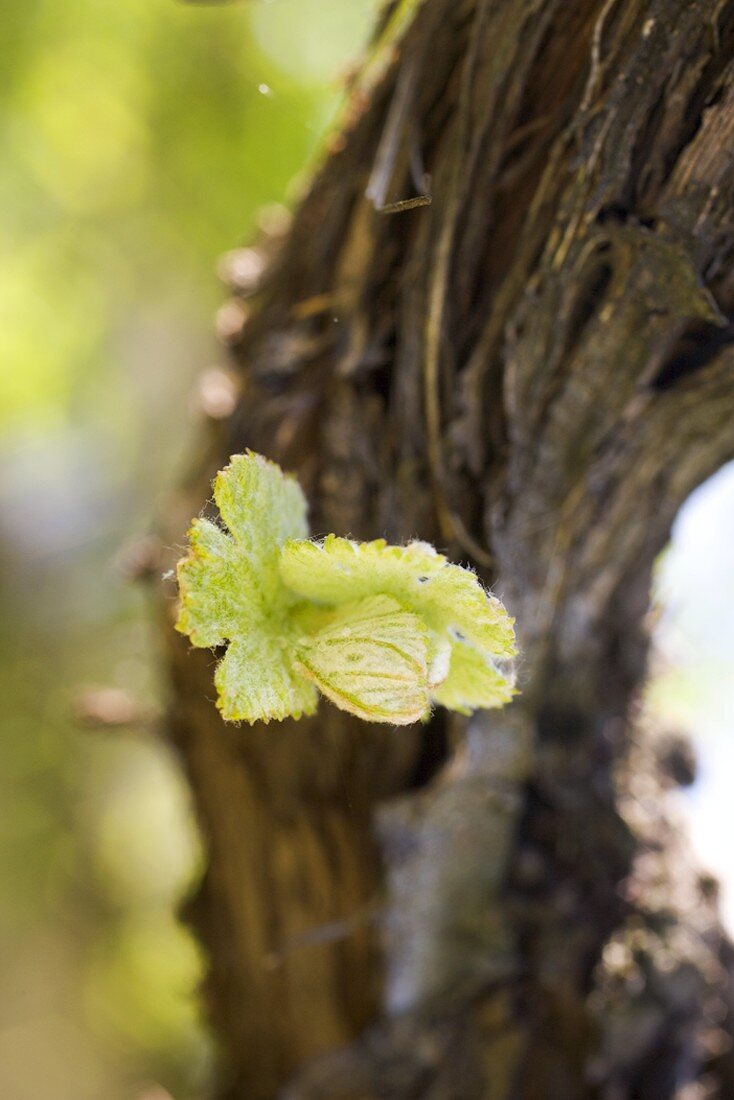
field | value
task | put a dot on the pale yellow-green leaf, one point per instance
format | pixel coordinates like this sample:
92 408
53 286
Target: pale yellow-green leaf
213 580
262 507
256 681
380 630
231 590
371 660
473 682
446 596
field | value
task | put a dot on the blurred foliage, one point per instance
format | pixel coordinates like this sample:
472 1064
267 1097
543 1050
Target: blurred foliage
140 138
138 143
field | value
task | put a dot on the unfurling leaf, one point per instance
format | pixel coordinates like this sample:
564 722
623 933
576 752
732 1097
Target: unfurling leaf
372 660
473 682
257 680
446 596
382 631
231 591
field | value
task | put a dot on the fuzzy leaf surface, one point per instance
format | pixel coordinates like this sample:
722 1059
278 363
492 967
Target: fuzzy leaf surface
231 590
446 596
473 682
371 660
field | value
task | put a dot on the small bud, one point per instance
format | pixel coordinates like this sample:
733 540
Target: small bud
242 269
230 321
217 393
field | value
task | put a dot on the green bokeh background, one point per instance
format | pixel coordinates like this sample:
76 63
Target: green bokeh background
140 140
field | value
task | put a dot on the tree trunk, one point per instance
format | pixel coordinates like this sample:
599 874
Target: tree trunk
533 371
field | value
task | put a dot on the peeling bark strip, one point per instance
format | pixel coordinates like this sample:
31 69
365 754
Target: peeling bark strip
534 371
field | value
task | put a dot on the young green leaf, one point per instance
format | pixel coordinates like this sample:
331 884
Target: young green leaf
473 682
258 681
231 591
446 596
261 506
211 581
383 631
371 660
230 582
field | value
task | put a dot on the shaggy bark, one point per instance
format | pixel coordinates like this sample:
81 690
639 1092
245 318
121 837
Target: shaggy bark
533 372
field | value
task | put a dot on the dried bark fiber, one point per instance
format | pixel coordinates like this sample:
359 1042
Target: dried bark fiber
534 372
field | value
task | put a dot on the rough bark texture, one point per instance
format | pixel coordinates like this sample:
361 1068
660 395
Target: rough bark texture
533 372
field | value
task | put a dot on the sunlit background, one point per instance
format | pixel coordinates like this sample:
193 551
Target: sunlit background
693 691
141 139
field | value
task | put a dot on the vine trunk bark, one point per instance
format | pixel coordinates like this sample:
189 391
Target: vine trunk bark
533 372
